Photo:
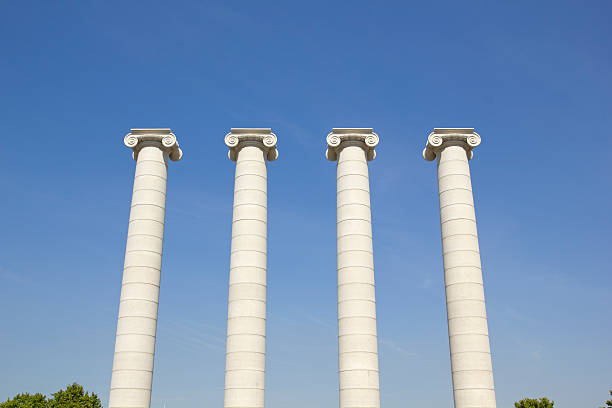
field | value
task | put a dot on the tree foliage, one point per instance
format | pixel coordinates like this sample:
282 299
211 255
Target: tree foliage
608 402
534 403
26 401
74 396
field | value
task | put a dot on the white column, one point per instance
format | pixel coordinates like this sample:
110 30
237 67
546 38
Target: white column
357 337
137 323
465 303
246 317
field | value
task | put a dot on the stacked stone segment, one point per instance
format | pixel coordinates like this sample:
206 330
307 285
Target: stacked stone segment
246 321
132 373
357 335
468 333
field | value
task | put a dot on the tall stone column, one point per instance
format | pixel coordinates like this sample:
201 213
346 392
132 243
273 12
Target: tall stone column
357 337
137 323
465 303
246 317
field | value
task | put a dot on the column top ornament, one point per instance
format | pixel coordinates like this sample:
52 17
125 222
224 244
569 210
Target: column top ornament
260 137
167 140
339 135
466 137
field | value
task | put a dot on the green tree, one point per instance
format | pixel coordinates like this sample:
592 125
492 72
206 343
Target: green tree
534 403
25 401
608 402
74 396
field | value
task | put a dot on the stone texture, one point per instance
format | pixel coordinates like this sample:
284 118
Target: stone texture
246 320
357 337
137 322
465 303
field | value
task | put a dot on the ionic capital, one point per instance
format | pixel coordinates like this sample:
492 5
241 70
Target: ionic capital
442 137
263 138
339 137
162 138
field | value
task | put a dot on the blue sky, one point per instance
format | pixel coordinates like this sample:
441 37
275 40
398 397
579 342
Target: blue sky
533 78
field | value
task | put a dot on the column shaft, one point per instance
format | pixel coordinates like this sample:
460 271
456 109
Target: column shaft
246 323
465 303
137 323
357 339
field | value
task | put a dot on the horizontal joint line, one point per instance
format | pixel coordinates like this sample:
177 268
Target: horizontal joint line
248 250
137 316
131 369
461 250
247 266
245 351
149 189
251 189
448 205
356 266
141 266
250 235
356 234
144 235
352 174
462 266
150 175
154 205
463 317
248 219
358 351
357 334
245 369
472 351
458 218
463 300
460 234
130 351
250 174
247 334
247 283
257 205
140 283
146 219
360 300
361 204
454 188
237 300
464 283
143 250
354 189
251 317
453 174
135 334
144 300
354 219
356 250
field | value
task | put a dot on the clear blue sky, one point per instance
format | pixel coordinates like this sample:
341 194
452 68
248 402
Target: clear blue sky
533 78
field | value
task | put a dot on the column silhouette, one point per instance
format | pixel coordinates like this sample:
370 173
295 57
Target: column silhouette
137 322
465 303
246 317
357 337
